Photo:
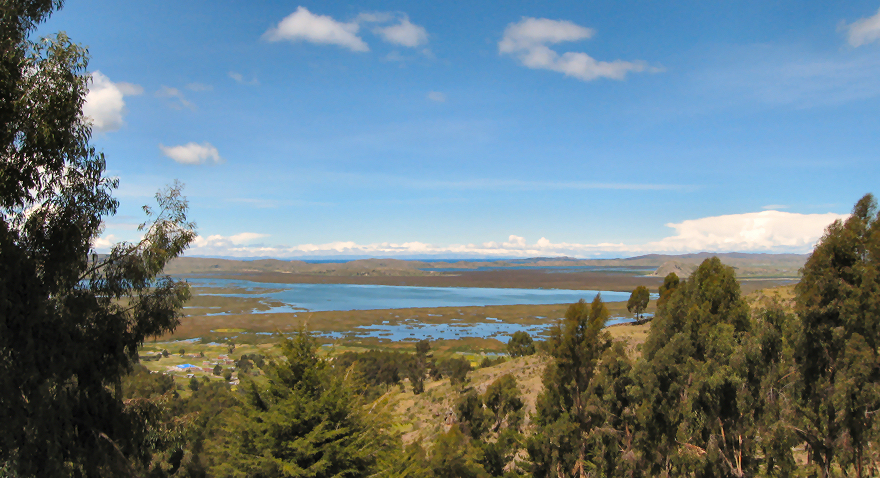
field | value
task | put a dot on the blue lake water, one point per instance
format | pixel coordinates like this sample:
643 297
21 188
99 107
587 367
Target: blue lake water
413 330
324 297
299 298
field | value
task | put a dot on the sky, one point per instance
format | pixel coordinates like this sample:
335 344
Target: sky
480 129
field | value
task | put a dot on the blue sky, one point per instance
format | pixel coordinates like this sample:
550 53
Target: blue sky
592 129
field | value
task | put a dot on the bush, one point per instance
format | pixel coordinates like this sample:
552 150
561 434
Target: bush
520 344
456 369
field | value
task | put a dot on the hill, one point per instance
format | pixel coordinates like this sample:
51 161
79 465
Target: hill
747 265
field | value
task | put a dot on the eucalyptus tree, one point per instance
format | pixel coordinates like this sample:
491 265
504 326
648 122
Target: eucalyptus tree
563 418
835 343
699 383
70 321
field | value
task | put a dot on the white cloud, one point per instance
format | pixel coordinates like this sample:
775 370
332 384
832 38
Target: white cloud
303 25
757 231
103 244
404 33
767 231
176 98
105 105
239 78
863 31
246 237
528 41
437 96
192 153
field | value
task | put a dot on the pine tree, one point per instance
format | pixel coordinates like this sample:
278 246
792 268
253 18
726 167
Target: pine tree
308 422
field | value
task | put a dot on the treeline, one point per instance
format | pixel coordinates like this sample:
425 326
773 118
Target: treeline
720 390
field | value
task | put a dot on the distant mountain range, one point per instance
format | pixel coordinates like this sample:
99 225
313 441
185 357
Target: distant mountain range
747 265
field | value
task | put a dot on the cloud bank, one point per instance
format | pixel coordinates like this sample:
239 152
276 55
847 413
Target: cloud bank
863 31
528 40
105 104
192 153
766 231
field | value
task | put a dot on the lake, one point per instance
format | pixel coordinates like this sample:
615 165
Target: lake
329 297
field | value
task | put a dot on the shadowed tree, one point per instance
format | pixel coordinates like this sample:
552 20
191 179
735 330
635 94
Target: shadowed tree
70 321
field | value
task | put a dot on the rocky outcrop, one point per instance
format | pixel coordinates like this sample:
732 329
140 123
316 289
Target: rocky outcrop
682 269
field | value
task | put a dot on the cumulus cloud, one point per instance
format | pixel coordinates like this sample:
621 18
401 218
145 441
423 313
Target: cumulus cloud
239 78
404 33
767 231
303 25
105 104
192 153
176 98
437 96
528 40
863 31
759 231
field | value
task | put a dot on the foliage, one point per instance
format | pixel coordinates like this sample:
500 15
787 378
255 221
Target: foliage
502 400
423 347
473 419
451 457
700 390
456 368
492 421
307 421
70 322
835 343
670 283
638 301
490 362
520 344
563 419
377 369
140 383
